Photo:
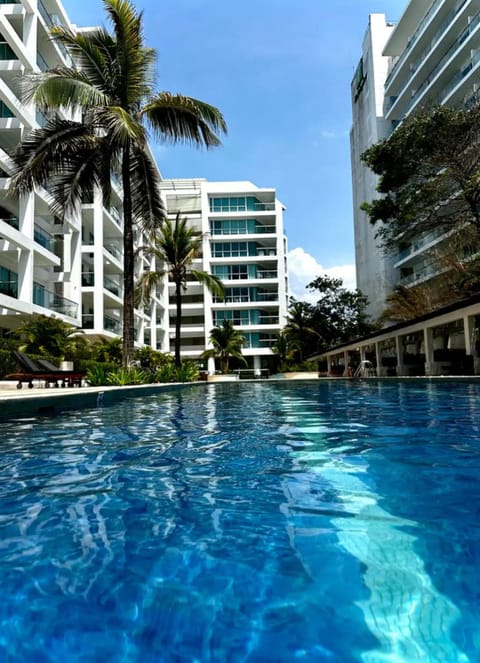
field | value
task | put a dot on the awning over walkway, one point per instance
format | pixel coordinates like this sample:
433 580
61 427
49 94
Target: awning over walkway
444 342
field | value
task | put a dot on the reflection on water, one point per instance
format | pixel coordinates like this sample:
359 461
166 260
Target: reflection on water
256 522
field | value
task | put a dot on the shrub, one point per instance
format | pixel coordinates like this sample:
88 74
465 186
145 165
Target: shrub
98 374
126 376
187 372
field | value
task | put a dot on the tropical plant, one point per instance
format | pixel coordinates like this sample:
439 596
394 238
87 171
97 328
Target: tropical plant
227 342
97 375
48 336
111 90
176 244
150 359
299 330
187 372
127 375
285 349
108 350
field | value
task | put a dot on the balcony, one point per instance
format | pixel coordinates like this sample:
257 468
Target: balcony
268 320
112 325
428 80
53 301
44 239
9 288
6 52
413 40
12 221
267 274
114 251
112 286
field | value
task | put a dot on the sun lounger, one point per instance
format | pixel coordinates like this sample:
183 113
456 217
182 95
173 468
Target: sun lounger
45 371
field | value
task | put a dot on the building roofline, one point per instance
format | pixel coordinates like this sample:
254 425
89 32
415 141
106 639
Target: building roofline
391 329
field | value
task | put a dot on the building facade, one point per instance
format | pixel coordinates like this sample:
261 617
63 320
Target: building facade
245 246
431 57
72 267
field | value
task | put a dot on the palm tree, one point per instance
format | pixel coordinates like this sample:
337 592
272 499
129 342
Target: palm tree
227 342
176 245
112 91
299 330
50 336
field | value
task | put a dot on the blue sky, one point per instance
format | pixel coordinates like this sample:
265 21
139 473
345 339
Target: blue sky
280 72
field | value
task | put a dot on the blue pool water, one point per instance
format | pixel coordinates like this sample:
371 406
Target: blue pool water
322 521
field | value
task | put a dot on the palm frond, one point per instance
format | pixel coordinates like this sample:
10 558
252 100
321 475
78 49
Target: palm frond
62 88
94 54
47 152
177 118
134 60
212 282
148 208
147 282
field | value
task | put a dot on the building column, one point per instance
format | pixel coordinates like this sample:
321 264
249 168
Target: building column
399 353
26 218
428 338
345 363
329 364
98 264
378 359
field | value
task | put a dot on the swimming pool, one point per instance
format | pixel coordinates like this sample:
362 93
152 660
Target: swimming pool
320 521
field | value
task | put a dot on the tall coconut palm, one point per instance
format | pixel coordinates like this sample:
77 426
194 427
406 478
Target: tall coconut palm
111 90
227 342
176 244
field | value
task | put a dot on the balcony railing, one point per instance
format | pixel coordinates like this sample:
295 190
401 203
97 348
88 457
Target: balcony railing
267 274
53 301
45 240
88 279
6 52
87 321
268 320
112 286
12 221
448 55
116 216
9 288
413 40
113 250
112 325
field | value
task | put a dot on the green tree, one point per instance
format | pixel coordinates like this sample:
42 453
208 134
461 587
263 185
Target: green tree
50 336
429 177
176 245
285 349
112 89
299 330
227 342
339 314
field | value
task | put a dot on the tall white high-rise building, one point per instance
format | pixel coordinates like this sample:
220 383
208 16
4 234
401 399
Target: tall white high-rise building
245 246
431 57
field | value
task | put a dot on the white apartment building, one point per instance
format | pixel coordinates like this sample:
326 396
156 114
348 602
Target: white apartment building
71 267
432 57
245 246
39 254
374 270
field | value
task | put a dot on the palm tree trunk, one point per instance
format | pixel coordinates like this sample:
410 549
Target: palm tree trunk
128 263
178 321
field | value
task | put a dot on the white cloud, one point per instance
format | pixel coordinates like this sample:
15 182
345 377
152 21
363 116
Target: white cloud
303 268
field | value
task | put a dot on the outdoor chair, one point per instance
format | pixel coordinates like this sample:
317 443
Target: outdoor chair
43 370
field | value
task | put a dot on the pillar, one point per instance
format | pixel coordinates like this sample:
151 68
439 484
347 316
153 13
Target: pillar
428 338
